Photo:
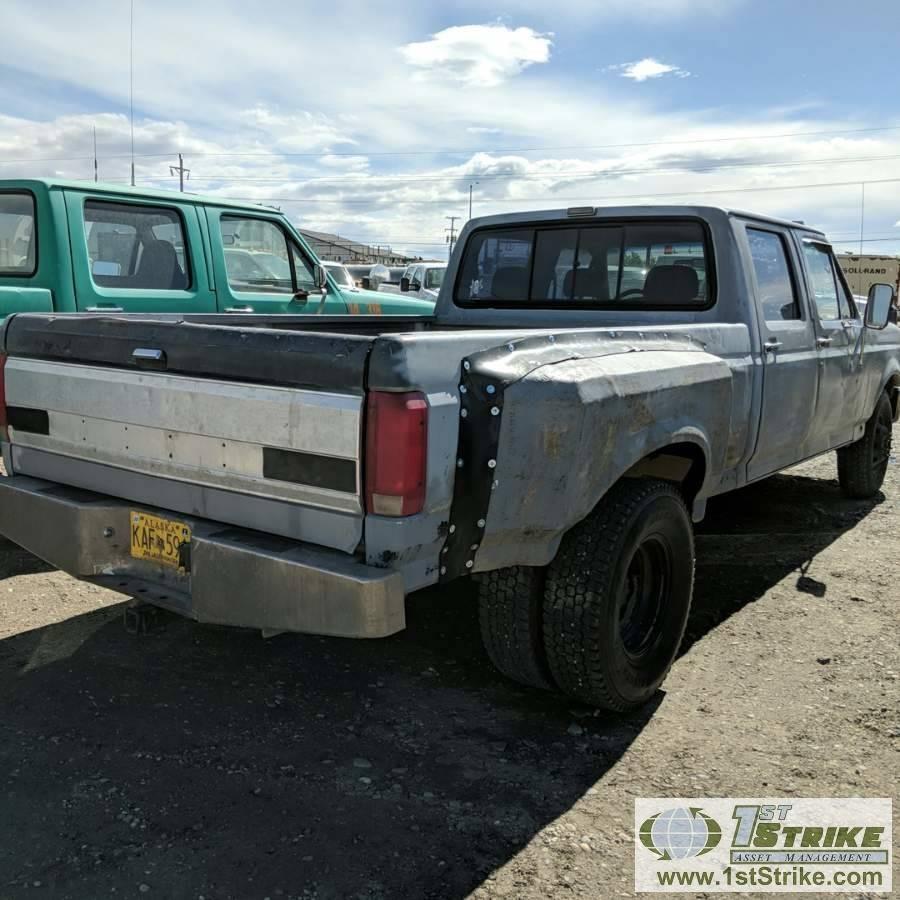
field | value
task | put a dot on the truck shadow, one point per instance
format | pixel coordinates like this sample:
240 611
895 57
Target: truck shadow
754 538
201 760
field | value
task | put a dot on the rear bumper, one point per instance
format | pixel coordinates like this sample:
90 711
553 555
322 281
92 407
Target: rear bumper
236 577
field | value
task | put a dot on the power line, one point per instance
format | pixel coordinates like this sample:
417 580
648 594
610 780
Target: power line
470 150
538 176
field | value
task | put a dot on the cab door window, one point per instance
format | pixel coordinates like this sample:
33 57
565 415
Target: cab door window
257 256
774 281
136 246
304 275
829 292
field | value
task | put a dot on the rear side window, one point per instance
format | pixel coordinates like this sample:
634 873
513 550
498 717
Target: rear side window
18 246
654 265
136 247
777 295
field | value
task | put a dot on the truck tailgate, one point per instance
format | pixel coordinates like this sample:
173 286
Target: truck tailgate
258 428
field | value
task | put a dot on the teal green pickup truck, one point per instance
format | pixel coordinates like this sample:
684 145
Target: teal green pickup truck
86 247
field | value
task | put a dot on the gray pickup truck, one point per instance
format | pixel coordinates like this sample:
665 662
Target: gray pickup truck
591 377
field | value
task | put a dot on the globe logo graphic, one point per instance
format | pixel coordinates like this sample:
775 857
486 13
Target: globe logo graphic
680 833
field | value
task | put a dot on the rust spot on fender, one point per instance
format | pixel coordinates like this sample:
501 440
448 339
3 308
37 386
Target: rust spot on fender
554 439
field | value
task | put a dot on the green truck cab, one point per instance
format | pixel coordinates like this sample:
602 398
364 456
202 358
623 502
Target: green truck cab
85 247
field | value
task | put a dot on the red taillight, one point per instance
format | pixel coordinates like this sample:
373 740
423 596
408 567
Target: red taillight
4 433
396 444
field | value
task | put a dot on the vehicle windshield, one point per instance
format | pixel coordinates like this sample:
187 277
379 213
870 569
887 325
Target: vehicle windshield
434 278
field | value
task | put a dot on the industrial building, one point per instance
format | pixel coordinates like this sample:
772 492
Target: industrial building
335 248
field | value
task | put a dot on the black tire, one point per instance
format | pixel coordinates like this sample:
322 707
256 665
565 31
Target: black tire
618 595
863 465
510 609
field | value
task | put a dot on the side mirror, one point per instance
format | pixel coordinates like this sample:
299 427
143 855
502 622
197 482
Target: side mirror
404 284
878 306
321 278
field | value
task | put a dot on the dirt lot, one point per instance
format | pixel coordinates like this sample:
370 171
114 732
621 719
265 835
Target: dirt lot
206 762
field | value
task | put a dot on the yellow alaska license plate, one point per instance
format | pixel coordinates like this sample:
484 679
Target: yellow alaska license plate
159 540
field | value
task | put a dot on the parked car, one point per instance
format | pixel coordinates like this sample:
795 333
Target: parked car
423 280
360 274
388 277
553 433
81 247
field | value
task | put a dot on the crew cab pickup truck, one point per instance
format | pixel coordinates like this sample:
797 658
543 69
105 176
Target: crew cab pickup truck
590 379
86 247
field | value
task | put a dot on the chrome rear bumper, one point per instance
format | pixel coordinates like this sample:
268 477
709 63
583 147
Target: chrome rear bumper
237 577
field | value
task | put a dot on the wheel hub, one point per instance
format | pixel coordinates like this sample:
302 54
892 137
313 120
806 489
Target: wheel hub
642 594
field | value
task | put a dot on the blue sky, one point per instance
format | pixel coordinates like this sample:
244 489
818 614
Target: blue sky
372 119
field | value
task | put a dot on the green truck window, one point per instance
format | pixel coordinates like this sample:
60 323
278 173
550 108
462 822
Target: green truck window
256 256
18 251
136 246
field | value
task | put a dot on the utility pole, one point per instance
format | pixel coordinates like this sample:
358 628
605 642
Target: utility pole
182 171
472 185
862 218
131 85
96 167
451 231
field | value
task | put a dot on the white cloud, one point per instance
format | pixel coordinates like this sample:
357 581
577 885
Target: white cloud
479 55
262 128
647 68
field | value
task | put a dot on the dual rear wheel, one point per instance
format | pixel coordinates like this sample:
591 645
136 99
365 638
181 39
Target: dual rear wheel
603 622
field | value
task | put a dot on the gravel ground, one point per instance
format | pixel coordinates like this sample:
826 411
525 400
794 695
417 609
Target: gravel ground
207 762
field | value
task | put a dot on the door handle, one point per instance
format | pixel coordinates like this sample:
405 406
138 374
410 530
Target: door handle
104 309
771 345
149 357
823 342
239 309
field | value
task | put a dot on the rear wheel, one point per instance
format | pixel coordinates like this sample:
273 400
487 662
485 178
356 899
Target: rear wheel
510 611
618 594
863 465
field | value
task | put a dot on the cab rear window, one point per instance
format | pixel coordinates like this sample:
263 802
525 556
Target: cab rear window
18 246
651 265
